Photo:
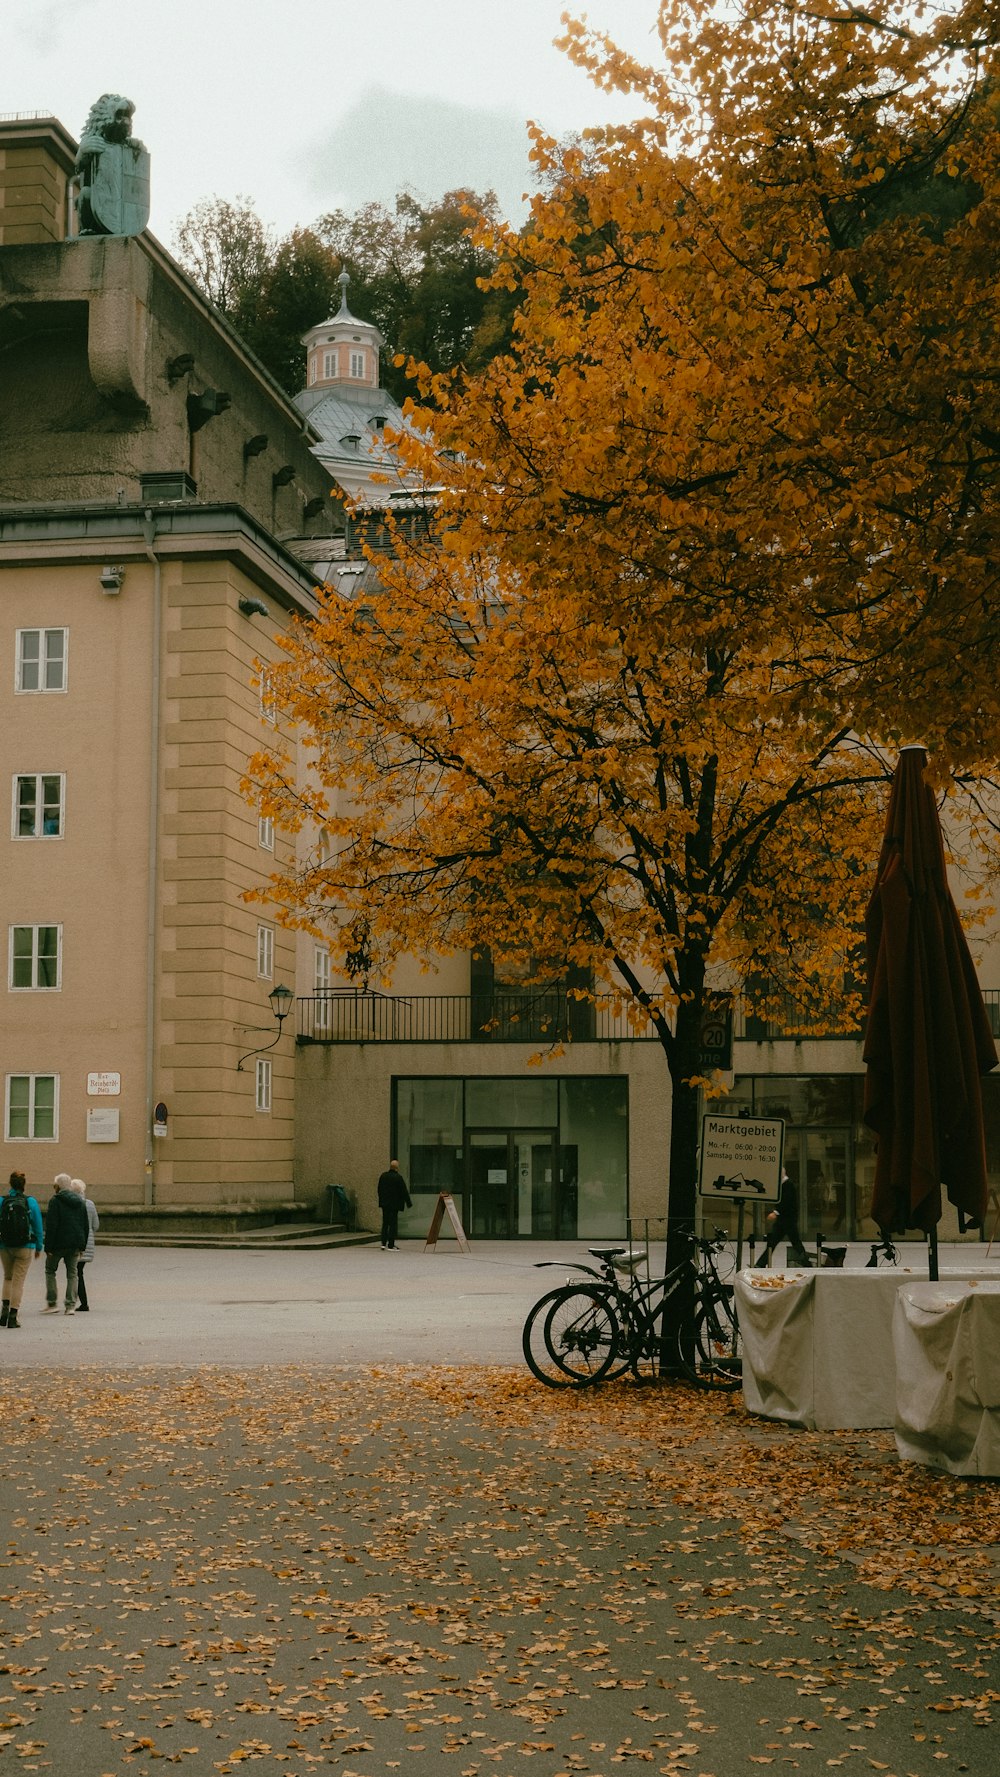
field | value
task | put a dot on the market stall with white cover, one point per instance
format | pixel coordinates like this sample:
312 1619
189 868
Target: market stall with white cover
818 1345
947 1344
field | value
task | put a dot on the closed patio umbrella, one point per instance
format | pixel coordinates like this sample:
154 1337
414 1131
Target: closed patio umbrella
928 1036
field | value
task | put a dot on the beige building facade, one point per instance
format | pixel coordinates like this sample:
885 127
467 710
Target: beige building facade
137 975
156 487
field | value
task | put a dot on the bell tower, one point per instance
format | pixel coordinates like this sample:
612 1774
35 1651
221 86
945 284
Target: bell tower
342 352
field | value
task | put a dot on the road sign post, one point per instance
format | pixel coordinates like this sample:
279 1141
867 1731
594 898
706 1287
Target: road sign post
741 1158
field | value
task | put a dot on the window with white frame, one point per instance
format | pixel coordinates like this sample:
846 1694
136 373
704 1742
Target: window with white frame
38 805
321 988
265 832
330 364
41 659
35 958
265 952
357 364
31 1112
263 1083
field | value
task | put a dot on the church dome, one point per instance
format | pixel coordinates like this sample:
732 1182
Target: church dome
343 351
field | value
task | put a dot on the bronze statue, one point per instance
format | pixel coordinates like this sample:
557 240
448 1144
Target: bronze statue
113 171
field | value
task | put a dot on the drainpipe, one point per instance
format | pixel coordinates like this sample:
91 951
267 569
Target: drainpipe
149 532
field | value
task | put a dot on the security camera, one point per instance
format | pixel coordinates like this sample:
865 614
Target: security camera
253 607
111 579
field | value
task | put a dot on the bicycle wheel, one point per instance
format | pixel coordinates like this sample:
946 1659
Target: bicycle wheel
718 1351
570 1337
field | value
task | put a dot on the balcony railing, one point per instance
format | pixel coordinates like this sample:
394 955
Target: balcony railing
349 1017
788 1021
346 1016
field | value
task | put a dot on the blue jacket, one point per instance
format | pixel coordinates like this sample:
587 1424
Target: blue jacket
36 1237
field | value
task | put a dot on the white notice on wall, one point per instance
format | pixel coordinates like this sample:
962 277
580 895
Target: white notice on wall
104 1085
102 1125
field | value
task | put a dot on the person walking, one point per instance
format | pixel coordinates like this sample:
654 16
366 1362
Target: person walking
21 1240
783 1224
392 1197
82 1305
67 1231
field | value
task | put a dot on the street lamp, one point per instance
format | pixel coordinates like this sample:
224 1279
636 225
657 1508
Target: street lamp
280 1001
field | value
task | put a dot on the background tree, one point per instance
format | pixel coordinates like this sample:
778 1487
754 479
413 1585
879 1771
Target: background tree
715 528
419 273
422 275
228 252
298 289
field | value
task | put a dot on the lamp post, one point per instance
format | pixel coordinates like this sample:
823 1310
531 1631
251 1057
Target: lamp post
280 1001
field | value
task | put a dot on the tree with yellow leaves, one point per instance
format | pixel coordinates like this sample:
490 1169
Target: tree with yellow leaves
716 529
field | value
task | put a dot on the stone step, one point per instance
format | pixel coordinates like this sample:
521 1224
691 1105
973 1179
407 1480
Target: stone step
300 1237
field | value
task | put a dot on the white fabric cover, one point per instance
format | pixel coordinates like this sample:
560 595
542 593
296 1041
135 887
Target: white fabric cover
818 1345
947 1343
776 1335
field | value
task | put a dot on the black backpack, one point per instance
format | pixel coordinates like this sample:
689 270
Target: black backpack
15 1222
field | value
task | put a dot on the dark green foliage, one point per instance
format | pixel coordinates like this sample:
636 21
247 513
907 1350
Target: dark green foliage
415 273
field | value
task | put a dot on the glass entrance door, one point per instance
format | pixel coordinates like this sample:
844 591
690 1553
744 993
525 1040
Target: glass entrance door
512 1183
487 1208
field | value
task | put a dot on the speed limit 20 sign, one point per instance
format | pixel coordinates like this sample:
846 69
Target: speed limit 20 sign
715 1038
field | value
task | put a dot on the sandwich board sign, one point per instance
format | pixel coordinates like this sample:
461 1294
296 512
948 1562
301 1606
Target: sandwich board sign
741 1157
445 1206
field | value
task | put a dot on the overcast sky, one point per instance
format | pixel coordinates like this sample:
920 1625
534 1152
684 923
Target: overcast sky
312 105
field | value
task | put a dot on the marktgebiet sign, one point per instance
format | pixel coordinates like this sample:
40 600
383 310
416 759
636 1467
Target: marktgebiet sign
741 1157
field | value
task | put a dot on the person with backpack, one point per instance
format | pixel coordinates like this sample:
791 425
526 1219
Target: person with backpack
21 1238
67 1231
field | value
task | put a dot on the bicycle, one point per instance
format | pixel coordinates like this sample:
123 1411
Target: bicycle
594 1331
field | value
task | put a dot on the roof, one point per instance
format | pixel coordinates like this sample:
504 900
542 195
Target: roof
337 413
343 317
352 446
84 530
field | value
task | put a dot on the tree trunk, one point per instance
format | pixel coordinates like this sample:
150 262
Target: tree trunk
683 1060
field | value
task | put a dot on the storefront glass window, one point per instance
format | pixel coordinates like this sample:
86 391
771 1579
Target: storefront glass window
540 1158
593 1134
501 1104
829 1154
804 1099
429 1134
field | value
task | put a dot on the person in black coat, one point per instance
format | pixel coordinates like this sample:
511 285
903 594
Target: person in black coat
392 1197
67 1231
783 1224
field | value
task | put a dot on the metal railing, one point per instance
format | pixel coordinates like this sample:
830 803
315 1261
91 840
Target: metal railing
788 1020
542 1017
349 1016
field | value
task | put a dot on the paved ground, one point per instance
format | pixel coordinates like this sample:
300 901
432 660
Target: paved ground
343 1305
214 1557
